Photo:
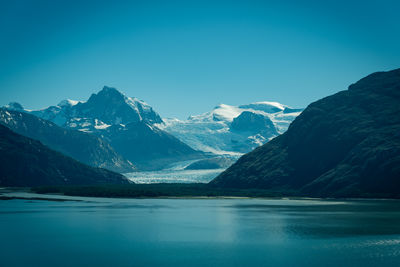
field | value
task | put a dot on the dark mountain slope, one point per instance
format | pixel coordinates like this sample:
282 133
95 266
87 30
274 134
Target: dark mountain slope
81 146
148 146
345 145
26 162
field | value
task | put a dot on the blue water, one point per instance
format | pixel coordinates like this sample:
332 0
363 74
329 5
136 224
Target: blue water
199 232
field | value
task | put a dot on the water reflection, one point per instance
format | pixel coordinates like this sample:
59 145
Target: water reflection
193 232
325 219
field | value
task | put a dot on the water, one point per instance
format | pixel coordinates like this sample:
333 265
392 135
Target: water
199 232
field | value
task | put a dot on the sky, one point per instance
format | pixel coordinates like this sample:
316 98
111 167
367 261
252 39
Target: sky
185 57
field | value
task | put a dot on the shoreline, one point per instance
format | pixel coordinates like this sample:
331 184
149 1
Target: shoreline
25 193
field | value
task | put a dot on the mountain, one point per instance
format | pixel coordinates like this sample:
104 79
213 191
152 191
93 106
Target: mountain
81 146
148 146
128 124
253 123
15 106
107 107
233 130
221 162
27 162
344 145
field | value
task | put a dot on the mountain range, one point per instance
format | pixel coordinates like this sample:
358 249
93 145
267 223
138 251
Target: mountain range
84 147
125 131
106 108
344 145
126 123
27 162
232 130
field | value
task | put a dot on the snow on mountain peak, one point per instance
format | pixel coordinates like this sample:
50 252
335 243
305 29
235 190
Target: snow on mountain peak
15 106
68 102
117 96
225 112
222 112
138 105
265 106
104 108
233 129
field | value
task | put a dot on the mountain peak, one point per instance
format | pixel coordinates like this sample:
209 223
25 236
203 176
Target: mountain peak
110 89
14 106
379 82
265 106
107 97
68 102
109 93
107 107
113 107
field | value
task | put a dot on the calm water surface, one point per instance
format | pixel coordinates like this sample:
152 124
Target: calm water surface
199 232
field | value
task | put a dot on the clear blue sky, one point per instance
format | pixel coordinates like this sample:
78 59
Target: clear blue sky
185 57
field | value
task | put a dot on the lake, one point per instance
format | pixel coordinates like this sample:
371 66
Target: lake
199 232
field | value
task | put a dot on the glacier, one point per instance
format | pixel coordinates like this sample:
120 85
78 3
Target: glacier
213 131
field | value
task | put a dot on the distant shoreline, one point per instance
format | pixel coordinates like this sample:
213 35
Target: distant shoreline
152 191
137 191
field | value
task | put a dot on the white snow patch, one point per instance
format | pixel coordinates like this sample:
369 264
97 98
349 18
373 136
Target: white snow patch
69 102
99 125
210 131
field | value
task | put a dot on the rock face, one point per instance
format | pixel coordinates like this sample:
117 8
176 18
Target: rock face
253 123
233 130
27 162
344 145
84 147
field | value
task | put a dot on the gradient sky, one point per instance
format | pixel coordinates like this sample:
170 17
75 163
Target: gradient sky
185 57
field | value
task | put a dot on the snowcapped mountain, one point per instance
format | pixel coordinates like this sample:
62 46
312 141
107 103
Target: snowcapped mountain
128 124
107 107
84 147
14 106
233 130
